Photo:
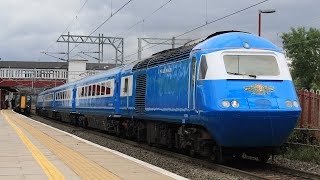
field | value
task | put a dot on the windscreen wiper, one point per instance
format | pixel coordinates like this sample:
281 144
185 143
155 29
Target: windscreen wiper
250 75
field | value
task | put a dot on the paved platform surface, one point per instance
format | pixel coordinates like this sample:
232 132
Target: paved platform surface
32 150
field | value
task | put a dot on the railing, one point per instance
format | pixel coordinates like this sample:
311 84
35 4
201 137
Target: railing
307 132
9 73
310 105
44 74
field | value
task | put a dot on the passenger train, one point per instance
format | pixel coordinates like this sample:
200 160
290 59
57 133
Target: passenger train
22 104
223 96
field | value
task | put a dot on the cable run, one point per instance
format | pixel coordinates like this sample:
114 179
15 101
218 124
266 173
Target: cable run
110 17
207 23
77 13
145 18
239 11
75 16
102 24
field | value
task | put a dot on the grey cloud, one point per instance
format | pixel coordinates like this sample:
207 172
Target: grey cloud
29 27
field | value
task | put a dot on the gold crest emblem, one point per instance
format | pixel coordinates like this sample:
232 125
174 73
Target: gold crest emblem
259 89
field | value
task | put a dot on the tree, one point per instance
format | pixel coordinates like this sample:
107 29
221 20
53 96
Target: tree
303 48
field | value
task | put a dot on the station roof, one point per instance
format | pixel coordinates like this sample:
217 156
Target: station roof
10 89
51 65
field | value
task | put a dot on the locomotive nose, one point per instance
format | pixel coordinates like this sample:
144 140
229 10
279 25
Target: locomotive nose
254 129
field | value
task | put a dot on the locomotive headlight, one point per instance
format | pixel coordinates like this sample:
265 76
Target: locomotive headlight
235 103
225 104
289 103
295 103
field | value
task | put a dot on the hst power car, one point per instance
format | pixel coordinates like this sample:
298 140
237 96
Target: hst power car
226 95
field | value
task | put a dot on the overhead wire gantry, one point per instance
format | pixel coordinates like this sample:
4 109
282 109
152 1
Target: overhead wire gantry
116 42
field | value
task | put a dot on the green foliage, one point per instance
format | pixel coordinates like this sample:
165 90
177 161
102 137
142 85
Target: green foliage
302 47
306 154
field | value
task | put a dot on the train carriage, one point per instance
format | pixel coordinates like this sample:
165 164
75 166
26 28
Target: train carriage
22 104
229 94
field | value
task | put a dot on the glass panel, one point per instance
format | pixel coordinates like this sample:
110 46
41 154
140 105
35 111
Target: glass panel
82 92
93 90
86 91
108 88
126 82
194 61
103 88
203 68
256 65
98 89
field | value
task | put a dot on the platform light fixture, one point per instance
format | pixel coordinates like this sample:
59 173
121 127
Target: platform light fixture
266 11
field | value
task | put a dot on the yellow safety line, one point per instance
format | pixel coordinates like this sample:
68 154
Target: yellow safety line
84 167
51 171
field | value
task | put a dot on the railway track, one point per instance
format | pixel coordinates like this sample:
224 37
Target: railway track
245 168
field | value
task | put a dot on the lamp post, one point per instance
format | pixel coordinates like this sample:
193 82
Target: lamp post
267 11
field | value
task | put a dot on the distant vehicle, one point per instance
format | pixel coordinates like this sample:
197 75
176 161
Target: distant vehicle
22 104
231 93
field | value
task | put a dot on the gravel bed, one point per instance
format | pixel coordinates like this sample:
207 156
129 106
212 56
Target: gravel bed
185 169
294 164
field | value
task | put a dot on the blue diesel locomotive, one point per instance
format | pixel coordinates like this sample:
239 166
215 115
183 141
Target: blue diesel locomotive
226 95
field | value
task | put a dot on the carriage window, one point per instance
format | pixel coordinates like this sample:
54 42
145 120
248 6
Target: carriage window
86 91
82 92
93 90
126 82
103 89
108 87
98 89
203 68
126 86
254 65
194 63
89 90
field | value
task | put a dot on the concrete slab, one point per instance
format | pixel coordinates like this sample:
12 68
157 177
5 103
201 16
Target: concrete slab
72 156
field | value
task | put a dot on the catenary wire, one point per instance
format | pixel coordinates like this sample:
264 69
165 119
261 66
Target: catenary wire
203 25
146 17
75 17
102 24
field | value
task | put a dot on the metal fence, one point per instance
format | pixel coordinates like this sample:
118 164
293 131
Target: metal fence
310 105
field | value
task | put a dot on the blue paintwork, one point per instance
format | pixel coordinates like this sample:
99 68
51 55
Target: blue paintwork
267 124
260 121
235 40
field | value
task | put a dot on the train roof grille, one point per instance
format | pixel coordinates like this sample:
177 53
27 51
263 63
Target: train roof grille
163 57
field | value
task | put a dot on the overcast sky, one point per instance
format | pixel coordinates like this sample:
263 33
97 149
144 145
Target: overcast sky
29 27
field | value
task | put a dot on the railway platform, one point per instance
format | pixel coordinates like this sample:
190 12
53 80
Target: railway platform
32 150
